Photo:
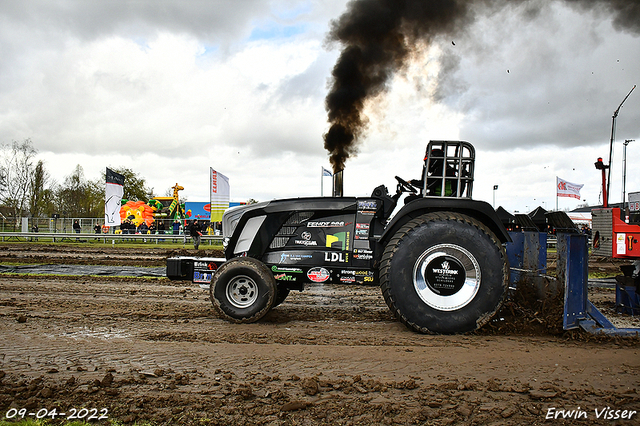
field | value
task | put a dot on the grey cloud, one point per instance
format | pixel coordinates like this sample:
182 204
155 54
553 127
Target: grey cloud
552 80
90 19
310 84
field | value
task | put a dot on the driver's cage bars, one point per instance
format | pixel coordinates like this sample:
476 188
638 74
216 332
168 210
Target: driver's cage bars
459 156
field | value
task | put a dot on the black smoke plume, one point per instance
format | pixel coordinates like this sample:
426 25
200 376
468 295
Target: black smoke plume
379 36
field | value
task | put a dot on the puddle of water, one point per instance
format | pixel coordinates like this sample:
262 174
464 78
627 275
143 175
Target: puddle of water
103 333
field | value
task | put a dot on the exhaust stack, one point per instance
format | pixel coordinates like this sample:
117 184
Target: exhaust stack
338 183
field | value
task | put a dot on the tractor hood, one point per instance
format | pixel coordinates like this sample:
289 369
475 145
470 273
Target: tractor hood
232 216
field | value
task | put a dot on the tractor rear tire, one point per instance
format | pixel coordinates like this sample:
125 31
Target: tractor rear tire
243 290
281 295
444 273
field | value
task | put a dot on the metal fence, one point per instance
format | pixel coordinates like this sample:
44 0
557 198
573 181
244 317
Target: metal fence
61 229
85 237
65 225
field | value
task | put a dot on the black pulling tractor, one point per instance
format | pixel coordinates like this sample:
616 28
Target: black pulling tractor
440 259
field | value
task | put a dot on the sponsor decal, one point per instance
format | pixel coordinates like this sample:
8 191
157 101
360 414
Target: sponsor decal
305 243
318 274
362 226
335 256
363 251
445 275
211 266
202 277
355 272
276 268
306 240
445 269
363 256
367 205
356 276
339 240
284 277
328 224
289 257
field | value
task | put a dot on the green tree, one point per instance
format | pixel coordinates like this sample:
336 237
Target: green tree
39 191
77 197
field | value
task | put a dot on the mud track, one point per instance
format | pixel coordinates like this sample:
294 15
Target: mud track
153 350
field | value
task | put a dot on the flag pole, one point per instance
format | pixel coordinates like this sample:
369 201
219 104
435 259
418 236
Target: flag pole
321 181
556 193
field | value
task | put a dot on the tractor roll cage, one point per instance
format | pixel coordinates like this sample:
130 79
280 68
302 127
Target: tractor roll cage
448 169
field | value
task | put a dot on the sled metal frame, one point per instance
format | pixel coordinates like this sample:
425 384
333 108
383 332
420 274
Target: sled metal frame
579 312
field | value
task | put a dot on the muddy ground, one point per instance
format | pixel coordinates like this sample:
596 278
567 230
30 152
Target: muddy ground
153 350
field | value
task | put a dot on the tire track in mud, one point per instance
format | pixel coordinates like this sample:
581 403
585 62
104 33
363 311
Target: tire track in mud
153 350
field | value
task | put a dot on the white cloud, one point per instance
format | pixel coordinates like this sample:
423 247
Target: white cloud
169 89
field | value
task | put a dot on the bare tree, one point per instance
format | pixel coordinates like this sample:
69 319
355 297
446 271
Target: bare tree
16 171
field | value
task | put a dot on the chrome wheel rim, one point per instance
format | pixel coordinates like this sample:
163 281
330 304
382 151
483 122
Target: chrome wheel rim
446 277
242 291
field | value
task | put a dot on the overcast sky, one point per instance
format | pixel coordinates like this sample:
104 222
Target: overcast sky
171 88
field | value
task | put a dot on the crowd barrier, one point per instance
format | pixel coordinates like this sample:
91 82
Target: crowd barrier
73 237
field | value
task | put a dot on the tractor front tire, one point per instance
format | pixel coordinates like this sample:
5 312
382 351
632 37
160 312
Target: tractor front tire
243 290
444 273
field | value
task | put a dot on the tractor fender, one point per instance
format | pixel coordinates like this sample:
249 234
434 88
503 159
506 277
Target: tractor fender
479 210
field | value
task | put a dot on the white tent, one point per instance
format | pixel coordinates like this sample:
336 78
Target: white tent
583 218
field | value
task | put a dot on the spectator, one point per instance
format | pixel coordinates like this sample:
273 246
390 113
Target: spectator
161 227
143 229
34 228
127 228
176 227
76 228
196 232
97 228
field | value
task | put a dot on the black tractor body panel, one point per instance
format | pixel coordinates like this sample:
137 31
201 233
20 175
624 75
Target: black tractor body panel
477 209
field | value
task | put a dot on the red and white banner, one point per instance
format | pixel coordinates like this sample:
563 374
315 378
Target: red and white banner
219 195
568 189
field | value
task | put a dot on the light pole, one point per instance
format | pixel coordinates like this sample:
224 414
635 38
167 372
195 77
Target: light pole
625 204
495 188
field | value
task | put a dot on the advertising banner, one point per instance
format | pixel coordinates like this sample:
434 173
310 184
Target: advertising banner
113 193
200 210
219 195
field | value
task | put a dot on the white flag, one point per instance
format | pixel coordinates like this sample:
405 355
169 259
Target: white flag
568 189
219 195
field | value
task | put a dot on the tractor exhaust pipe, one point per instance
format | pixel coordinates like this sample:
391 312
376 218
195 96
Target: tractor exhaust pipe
338 183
